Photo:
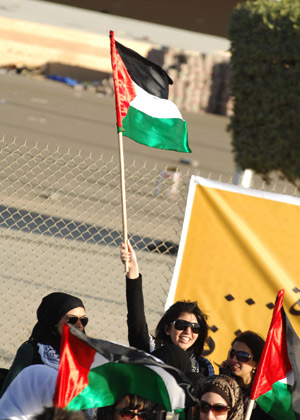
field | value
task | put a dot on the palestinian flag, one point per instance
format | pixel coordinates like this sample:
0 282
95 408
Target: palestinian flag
144 112
276 386
97 373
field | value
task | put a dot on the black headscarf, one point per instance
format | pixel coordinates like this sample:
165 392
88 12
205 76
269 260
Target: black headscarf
52 308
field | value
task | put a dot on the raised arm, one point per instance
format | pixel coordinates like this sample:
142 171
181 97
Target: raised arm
128 255
138 335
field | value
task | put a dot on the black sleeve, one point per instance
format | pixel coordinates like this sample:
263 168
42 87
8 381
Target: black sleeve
138 335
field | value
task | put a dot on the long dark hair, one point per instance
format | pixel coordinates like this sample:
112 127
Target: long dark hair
256 344
254 341
172 313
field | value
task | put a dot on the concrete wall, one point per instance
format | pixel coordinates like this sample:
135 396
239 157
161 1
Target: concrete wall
208 17
32 44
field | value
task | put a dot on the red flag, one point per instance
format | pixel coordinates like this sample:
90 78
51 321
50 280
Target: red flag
274 354
73 373
124 88
276 386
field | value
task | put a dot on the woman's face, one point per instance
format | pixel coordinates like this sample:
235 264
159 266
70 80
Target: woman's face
123 403
77 312
183 338
242 369
211 405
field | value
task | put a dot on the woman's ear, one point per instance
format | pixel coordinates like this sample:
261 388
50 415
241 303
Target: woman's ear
167 329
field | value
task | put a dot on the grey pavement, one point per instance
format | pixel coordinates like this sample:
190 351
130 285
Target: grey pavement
51 112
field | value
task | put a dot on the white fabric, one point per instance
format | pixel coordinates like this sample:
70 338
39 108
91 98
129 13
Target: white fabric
29 393
48 355
153 106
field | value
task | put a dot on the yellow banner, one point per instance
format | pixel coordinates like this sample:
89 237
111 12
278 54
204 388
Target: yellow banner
238 248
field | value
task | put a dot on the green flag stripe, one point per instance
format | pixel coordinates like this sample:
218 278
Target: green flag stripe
278 402
136 379
162 133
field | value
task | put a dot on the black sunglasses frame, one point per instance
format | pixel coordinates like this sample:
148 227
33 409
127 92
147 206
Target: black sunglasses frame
182 325
74 319
131 412
205 407
241 356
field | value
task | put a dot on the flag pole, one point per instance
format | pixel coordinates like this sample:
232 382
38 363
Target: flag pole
115 71
123 193
249 409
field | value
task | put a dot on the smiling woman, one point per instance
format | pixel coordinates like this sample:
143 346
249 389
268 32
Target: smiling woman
243 358
183 324
241 364
184 331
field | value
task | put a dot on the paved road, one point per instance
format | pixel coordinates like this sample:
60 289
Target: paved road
51 112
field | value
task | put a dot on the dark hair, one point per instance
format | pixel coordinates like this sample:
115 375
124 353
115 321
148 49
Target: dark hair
172 314
135 403
55 413
254 341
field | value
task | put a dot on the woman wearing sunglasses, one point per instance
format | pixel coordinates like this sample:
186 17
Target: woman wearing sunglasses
242 361
43 345
220 398
183 324
129 407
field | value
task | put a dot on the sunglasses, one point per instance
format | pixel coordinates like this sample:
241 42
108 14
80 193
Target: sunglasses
241 356
217 409
182 325
129 414
74 319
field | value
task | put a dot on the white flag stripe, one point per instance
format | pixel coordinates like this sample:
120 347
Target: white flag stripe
153 106
289 379
99 360
176 393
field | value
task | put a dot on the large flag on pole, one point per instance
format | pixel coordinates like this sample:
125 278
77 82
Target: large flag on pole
97 373
276 386
238 247
144 112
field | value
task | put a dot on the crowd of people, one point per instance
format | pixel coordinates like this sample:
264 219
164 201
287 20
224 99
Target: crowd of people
27 388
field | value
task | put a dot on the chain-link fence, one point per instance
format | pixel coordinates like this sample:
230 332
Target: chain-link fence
60 229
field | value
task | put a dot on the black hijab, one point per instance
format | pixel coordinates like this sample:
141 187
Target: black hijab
52 308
